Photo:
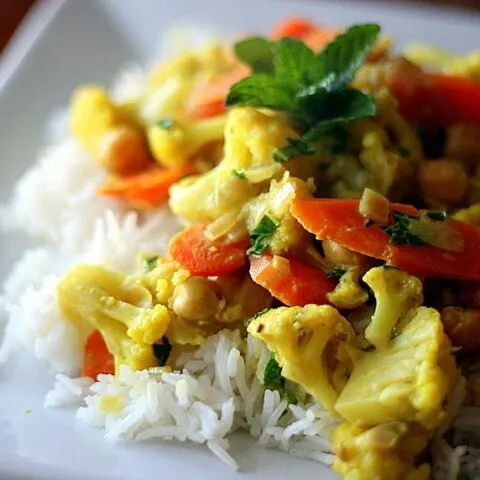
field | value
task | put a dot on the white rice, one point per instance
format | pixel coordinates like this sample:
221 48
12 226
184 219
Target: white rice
204 407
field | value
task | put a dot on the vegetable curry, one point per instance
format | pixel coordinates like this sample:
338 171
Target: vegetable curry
329 190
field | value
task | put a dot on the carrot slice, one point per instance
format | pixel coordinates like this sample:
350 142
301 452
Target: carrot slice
340 221
434 99
149 188
294 27
206 258
208 99
96 358
310 33
300 285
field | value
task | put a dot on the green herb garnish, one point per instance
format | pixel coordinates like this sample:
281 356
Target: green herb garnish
311 88
149 263
260 237
389 267
239 174
400 233
294 148
336 272
272 375
165 123
440 216
404 152
257 53
162 351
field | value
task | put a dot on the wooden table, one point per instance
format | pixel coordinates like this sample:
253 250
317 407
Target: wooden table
12 12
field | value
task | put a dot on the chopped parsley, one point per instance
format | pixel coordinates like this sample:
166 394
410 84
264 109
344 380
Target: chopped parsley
149 263
239 174
336 272
260 237
162 351
440 216
404 152
272 375
399 231
165 123
313 89
389 267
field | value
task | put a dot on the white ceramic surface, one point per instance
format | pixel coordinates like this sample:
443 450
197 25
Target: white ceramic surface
66 43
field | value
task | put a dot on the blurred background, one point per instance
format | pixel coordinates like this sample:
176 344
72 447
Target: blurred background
12 12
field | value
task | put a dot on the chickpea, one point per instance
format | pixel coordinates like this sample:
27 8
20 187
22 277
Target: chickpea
443 180
462 327
195 299
340 255
123 151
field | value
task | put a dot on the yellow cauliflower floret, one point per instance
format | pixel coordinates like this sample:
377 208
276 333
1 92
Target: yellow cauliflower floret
276 204
466 66
396 293
175 145
92 115
470 214
348 293
122 311
171 85
384 452
406 381
313 345
375 154
204 198
463 65
251 137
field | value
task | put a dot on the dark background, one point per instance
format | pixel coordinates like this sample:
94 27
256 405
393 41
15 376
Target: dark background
12 12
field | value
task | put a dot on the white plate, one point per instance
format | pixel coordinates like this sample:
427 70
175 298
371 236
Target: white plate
66 43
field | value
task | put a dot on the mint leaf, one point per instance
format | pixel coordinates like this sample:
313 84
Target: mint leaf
293 61
342 57
336 110
294 148
261 90
256 52
312 89
261 235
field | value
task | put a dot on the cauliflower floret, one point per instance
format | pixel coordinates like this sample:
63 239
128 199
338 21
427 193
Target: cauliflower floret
174 145
313 345
107 131
276 205
251 137
385 452
122 311
204 198
407 381
348 293
92 115
396 293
